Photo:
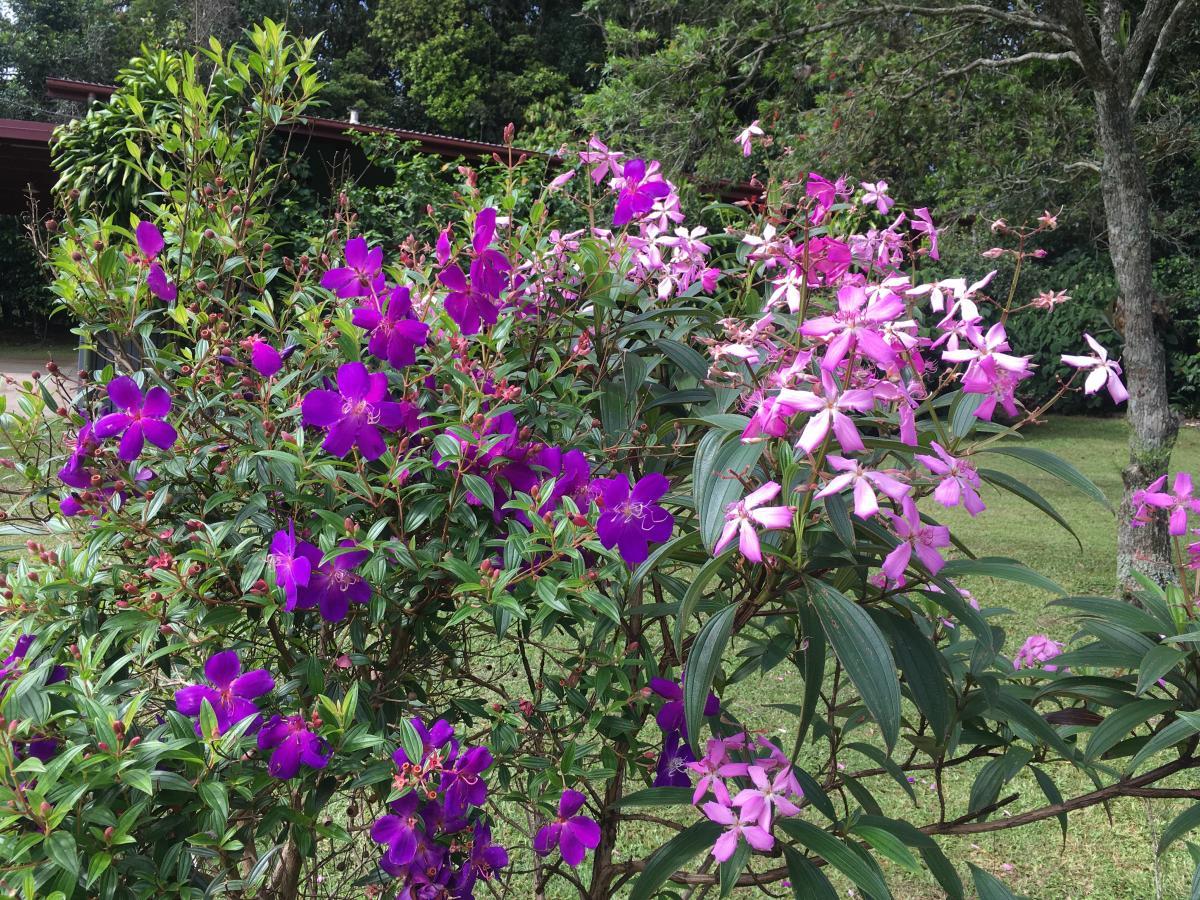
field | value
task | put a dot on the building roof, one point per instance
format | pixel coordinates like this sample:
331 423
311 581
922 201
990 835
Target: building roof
25 147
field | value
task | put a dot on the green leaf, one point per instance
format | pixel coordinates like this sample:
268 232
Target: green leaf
1059 468
888 845
988 886
1180 825
1157 662
60 847
702 663
215 797
684 357
808 882
695 590
732 868
863 651
713 485
1119 611
411 742
480 489
1120 722
1002 568
674 855
863 873
1179 730
656 796
1050 789
813 652
921 664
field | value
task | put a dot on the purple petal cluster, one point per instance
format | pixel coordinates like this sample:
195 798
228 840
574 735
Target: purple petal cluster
434 837
307 583
292 744
572 834
141 418
230 692
474 296
150 242
354 413
631 518
676 755
394 331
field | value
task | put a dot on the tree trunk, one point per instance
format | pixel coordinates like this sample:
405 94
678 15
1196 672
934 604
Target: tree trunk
1153 426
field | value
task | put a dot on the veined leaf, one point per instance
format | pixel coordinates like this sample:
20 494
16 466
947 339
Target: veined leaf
863 651
702 663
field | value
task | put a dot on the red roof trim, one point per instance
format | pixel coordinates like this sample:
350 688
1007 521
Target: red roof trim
20 130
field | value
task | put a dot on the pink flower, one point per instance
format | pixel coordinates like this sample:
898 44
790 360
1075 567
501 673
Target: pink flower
915 537
1037 649
986 358
1048 220
560 180
604 162
866 504
923 223
1104 372
742 517
1179 501
767 795
714 767
1047 300
959 483
737 828
856 326
830 408
744 136
877 193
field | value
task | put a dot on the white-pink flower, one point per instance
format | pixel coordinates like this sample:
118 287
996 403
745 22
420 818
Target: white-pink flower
737 827
742 519
865 481
829 408
877 193
959 483
768 796
1105 372
746 134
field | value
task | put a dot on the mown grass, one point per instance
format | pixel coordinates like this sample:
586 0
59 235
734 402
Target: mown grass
1100 857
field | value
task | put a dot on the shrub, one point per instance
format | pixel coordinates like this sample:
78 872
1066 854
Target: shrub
419 570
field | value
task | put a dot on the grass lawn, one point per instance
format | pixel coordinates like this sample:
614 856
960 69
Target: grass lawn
1099 858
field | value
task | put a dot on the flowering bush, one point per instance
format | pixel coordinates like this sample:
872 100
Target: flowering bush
372 566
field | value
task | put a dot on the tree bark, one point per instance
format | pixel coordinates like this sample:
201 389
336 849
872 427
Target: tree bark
1153 426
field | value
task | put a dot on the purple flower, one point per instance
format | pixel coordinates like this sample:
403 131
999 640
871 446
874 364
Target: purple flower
572 834
1104 372
354 413
485 860
150 242
400 832
472 303
631 519
292 566
865 481
332 587
265 358
395 334
361 276
231 694
141 421
462 782
637 192
73 472
293 744
767 795
1179 501
149 239
671 716
674 761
